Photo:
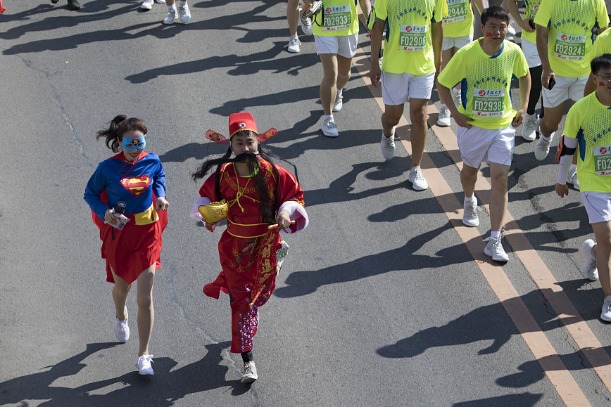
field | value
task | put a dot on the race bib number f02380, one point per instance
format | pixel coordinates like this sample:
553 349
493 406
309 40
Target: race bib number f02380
412 38
488 102
570 47
337 18
602 160
457 11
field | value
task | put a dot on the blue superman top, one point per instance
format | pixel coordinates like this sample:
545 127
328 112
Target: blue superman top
131 182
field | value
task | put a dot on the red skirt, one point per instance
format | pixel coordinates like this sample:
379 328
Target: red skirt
132 250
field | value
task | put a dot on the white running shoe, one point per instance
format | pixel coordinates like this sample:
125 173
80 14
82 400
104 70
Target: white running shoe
121 328
605 315
542 146
572 177
469 217
329 128
294 44
169 19
529 127
184 14
250 373
339 103
417 179
589 269
444 117
494 249
143 364
306 25
387 146
147 4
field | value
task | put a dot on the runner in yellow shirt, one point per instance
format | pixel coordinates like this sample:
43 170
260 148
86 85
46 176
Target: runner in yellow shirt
485 117
529 47
336 31
412 57
457 32
587 132
602 45
564 41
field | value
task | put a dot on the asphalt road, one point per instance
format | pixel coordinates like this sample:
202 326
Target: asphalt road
384 300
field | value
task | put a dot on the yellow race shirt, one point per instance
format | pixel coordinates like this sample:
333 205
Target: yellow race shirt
336 19
409 47
589 121
570 38
532 6
602 45
485 82
459 20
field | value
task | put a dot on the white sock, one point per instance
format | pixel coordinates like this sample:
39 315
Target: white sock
326 116
470 200
172 8
495 234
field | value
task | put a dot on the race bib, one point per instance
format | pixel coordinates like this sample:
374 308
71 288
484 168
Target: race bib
602 160
488 102
532 13
457 11
570 47
337 18
412 38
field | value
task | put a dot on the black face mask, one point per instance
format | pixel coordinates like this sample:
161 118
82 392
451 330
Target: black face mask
251 159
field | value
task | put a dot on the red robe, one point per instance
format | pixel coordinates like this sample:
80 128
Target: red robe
247 249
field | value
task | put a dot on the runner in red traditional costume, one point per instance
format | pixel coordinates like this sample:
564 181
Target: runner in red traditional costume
258 199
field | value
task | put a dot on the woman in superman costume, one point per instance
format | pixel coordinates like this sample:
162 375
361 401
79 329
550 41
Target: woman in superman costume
132 253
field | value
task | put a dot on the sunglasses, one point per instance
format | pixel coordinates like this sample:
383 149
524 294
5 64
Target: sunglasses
130 144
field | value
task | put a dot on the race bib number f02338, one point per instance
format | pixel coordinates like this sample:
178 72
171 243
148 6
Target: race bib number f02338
412 38
337 18
602 160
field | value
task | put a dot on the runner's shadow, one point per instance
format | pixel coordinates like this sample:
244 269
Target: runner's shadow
402 258
489 323
133 389
509 400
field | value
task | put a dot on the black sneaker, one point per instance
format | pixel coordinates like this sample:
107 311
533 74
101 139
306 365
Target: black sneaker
73 5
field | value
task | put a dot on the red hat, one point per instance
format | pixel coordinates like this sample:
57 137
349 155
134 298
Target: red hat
240 122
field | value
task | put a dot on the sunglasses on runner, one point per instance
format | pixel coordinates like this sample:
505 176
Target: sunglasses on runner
130 144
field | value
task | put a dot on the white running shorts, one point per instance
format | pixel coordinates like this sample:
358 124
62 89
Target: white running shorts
477 145
565 88
530 52
398 88
598 206
344 46
458 42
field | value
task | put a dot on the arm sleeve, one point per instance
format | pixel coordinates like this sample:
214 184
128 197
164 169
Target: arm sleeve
565 161
208 189
290 197
159 182
520 67
95 186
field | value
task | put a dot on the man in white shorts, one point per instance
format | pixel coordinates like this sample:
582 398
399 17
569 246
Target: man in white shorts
529 47
457 32
587 132
412 57
485 117
336 30
564 41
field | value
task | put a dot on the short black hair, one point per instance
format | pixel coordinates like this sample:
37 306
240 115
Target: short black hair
600 62
494 12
